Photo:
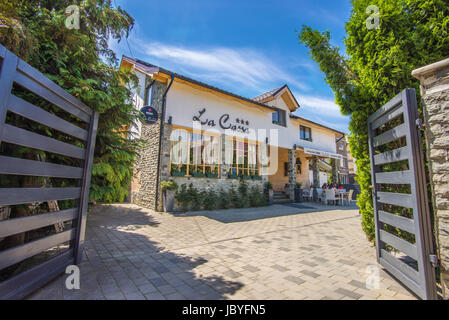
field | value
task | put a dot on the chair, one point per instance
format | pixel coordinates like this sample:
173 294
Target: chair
330 196
320 194
351 192
306 194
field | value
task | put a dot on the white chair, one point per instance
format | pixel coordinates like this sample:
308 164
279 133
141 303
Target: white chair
306 194
330 196
319 192
350 194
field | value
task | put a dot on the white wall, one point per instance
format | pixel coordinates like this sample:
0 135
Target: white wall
138 101
184 102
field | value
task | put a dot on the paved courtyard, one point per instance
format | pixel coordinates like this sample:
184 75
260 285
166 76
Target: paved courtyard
282 252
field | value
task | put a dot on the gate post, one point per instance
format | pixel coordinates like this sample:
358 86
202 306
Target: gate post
435 96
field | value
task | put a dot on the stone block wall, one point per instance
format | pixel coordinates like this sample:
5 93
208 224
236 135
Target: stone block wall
435 95
143 185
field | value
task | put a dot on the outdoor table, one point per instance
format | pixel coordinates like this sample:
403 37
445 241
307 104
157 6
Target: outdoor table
341 195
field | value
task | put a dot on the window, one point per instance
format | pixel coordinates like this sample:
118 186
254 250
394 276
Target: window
305 133
285 169
278 117
194 154
243 158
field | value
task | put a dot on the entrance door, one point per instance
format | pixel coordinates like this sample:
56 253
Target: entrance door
401 212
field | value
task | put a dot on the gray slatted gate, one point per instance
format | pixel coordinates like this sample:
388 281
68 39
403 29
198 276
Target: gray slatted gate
15 71
401 165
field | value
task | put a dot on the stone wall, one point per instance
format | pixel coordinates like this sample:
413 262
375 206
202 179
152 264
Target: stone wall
435 95
143 185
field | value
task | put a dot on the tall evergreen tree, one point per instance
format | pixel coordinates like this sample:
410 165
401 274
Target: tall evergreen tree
377 66
80 61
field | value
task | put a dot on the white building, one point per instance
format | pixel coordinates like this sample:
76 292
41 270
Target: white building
209 136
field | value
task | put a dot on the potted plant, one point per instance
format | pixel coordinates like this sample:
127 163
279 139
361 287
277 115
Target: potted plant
269 192
176 173
198 174
257 177
212 175
169 188
246 177
298 192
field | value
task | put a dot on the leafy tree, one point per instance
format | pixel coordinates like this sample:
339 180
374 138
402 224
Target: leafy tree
377 66
80 61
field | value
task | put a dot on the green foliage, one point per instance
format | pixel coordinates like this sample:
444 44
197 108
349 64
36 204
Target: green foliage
189 198
377 66
169 185
81 62
210 200
243 197
257 198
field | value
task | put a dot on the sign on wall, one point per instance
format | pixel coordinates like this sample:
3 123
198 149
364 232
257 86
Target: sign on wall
150 115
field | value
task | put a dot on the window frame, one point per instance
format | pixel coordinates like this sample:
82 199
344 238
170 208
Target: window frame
305 129
247 168
282 117
190 167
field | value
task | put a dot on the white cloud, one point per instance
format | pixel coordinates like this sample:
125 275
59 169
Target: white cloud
233 67
318 104
322 110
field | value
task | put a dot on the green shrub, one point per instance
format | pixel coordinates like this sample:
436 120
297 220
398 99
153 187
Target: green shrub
256 197
169 185
224 201
189 198
182 197
233 198
210 201
243 197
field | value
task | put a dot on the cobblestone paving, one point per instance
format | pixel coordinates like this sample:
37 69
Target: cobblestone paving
134 253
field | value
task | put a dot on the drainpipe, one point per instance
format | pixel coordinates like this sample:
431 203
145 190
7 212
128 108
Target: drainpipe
161 133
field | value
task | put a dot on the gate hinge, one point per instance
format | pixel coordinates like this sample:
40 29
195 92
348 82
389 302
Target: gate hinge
433 260
419 123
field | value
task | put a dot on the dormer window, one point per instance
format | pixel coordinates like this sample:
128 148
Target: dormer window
305 133
278 117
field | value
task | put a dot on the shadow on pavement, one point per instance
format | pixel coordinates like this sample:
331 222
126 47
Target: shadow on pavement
273 211
122 263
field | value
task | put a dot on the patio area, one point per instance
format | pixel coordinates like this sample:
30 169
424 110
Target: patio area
276 252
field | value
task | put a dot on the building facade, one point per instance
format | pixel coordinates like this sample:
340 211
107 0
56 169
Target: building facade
211 138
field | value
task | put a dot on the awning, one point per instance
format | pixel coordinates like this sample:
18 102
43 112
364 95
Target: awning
320 153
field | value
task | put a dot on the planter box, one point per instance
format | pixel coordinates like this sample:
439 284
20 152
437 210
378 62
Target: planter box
198 175
246 177
233 176
257 177
270 196
212 175
178 174
169 200
298 195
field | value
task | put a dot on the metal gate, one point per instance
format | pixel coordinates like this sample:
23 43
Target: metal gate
401 212
15 72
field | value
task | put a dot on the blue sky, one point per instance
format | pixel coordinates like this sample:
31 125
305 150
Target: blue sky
247 47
